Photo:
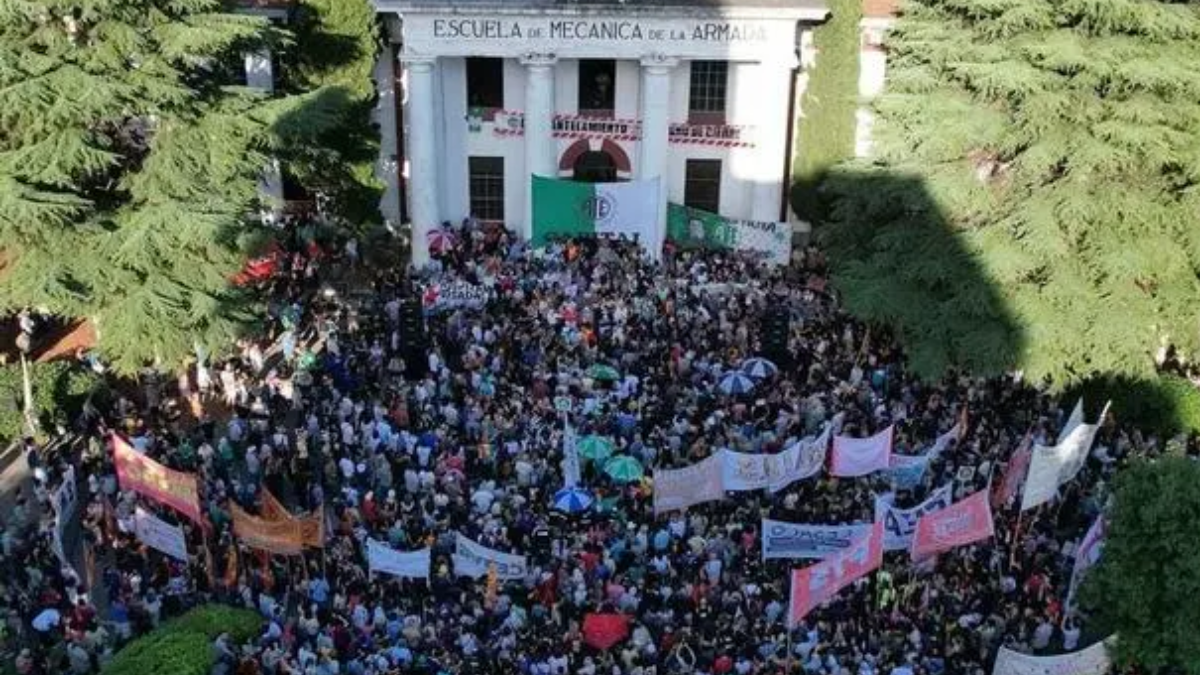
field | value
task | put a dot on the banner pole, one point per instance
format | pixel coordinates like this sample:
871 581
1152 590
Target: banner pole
1012 544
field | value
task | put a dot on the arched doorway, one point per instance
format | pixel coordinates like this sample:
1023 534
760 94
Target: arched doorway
594 166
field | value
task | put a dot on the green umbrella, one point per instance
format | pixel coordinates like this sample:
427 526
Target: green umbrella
595 448
603 372
623 469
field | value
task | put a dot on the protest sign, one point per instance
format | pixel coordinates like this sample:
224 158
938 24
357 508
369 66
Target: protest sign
448 295
964 522
794 540
1090 661
472 560
150 479
680 488
160 535
853 457
816 584
899 524
384 559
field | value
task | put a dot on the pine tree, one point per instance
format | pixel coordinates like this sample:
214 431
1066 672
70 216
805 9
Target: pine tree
128 169
1035 197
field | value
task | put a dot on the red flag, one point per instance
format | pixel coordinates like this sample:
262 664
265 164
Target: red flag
817 583
1005 490
959 524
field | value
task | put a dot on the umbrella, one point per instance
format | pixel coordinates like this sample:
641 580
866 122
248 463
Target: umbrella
759 368
595 448
572 500
603 372
623 469
735 382
602 631
440 241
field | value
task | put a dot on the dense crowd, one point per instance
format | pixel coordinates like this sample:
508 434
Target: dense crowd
327 412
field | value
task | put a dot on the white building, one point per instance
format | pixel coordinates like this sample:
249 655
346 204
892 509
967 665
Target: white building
478 95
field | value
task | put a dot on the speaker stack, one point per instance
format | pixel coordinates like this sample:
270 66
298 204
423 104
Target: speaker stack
414 340
776 327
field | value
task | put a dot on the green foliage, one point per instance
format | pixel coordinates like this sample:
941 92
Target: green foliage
1145 585
127 169
1057 144
336 46
826 126
1166 405
183 646
60 389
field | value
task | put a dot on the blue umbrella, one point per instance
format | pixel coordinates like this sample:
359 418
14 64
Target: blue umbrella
735 383
572 500
759 368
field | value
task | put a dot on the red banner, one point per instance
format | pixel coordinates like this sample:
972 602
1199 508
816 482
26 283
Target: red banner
816 584
959 524
1014 475
150 479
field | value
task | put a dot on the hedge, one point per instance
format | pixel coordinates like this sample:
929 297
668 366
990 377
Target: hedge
827 110
60 389
183 646
1166 405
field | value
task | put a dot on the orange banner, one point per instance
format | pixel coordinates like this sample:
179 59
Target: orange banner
312 526
284 537
150 479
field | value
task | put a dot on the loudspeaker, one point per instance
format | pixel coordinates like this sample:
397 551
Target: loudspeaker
776 327
414 341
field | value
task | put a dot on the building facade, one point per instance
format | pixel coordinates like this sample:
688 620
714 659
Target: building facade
476 96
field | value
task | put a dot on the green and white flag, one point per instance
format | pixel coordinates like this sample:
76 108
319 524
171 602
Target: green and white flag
692 227
563 208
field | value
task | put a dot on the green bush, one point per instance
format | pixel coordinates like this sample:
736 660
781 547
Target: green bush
1166 405
60 389
183 646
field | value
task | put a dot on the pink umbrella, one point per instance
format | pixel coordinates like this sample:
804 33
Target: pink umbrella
440 241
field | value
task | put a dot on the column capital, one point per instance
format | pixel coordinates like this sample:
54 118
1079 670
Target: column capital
537 60
658 64
417 63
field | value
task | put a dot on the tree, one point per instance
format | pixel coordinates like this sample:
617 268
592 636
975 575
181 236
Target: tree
825 134
1145 586
128 168
1057 142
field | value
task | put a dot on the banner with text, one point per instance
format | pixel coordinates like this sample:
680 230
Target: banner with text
160 535
899 524
150 479
964 522
1086 554
1091 661
793 540
816 584
854 457
564 208
473 560
447 295
676 489
282 537
383 559
692 227
63 503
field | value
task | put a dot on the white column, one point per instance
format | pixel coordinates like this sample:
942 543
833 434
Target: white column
774 86
652 150
421 142
260 74
540 147
387 169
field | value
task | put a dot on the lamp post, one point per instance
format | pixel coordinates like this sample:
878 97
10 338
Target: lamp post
24 344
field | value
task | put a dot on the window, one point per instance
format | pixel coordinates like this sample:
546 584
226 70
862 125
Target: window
485 85
597 87
702 184
706 95
487 188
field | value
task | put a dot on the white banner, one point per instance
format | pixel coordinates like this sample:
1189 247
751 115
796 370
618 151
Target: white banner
1090 661
900 524
803 459
680 488
446 295
63 502
853 457
160 535
472 560
570 462
792 540
384 559
1086 554
1052 466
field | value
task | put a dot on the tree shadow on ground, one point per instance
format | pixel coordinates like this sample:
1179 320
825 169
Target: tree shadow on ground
897 262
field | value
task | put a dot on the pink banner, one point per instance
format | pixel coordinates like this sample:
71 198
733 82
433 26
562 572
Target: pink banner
959 524
816 584
853 457
1014 474
148 478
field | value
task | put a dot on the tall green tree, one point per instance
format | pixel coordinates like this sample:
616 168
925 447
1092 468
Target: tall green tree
1052 148
825 133
128 168
1145 586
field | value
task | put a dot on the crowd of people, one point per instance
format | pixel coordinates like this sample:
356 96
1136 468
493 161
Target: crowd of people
331 410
